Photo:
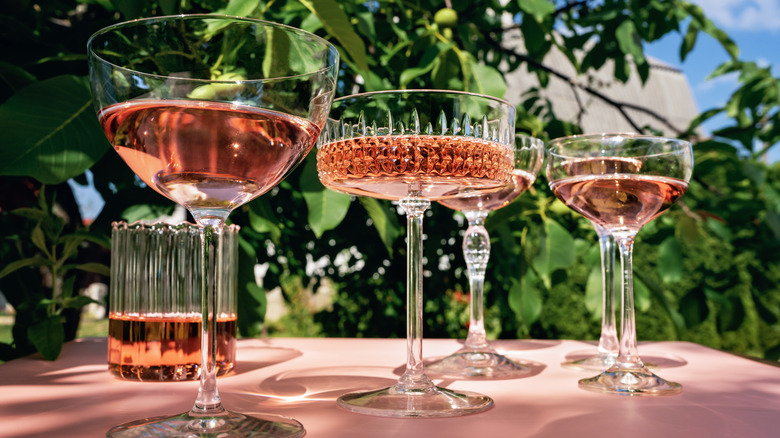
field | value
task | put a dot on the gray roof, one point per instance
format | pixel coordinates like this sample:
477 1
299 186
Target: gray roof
666 93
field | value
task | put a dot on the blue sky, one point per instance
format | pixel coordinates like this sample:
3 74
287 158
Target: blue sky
754 25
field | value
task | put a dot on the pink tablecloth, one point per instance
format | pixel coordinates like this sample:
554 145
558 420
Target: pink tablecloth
724 395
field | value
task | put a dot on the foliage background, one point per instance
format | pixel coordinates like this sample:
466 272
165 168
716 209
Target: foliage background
707 270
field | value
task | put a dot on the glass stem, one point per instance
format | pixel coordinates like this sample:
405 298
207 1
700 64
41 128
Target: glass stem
208 402
628 357
476 251
608 341
414 377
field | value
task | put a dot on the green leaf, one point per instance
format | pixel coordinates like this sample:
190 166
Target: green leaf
725 41
48 336
138 212
240 8
263 219
70 247
525 299
766 315
53 129
447 71
337 23
725 68
629 41
426 63
487 80
130 9
641 295
18 264
278 42
555 250
719 228
326 208
78 302
33 214
644 71
15 77
535 38
594 293
384 219
38 239
731 315
68 286
97 268
693 308
168 7
251 298
697 14
622 69
82 235
670 260
689 40
540 9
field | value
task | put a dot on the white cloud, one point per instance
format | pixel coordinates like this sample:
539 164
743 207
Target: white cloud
750 15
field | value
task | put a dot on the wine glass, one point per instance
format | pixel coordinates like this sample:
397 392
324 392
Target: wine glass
477 358
414 146
608 347
621 182
210 111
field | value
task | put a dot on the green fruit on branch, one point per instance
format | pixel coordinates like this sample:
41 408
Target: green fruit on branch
446 17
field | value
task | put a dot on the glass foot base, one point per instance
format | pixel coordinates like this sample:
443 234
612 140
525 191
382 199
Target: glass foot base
465 364
230 424
635 381
598 362
429 402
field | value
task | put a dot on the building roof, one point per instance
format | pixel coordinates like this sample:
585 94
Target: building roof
666 93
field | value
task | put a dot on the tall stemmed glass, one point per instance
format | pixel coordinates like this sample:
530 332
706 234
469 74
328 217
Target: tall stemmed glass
621 182
477 358
415 146
608 346
212 112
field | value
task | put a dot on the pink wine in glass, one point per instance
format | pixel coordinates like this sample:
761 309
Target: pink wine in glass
163 348
518 183
619 200
207 155
386 166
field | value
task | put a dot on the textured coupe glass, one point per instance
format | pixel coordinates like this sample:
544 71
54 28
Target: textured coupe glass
412 147
621 182
477 358
211 112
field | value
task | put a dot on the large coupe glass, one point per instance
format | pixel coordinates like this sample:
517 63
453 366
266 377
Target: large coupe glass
412 147
477 358
621 182
211 112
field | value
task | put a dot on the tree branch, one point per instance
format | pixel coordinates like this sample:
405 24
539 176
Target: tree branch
621 107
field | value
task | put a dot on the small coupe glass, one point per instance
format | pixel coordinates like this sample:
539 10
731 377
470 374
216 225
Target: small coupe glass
210 111
477 358
415 146
621 182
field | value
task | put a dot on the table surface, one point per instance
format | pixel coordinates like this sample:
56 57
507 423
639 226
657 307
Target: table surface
724 395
